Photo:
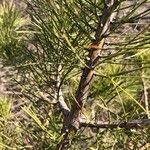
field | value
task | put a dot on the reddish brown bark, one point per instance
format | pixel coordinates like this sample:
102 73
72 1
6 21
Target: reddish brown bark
72 121
88 71
84 84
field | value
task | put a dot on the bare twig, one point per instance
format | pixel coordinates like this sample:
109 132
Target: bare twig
59 94
138 123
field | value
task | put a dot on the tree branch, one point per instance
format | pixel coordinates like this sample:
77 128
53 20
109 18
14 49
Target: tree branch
59 94
72 120
93 56
138 123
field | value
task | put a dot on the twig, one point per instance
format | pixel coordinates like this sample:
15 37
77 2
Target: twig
59 94
138 123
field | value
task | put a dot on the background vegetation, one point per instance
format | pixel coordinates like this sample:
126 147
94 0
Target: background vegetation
47 49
